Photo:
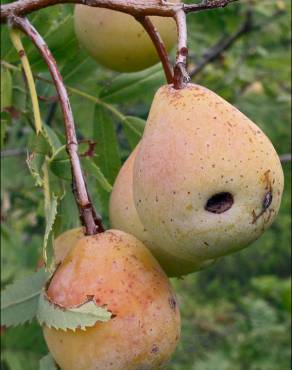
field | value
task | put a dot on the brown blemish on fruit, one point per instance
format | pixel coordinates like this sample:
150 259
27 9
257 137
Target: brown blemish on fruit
154 349
267 201
268 197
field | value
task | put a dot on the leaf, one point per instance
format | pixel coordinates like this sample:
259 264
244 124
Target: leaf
81 317
47 363
38 144
6 88
19 360
68 216
3 131
19 301
35 162
51 138
107 150
132 85
61 168
96 172
19 94
133 128
50 214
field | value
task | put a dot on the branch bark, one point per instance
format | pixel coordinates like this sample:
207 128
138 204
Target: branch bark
87 212
135 8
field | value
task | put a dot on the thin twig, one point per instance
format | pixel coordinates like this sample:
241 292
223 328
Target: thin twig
82 199
206 4
181 76
223 44
226 42
284 158
159 45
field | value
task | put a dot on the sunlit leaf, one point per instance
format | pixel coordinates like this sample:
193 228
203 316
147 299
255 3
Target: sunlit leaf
80 317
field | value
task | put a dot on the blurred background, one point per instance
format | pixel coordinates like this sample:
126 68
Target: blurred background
236 314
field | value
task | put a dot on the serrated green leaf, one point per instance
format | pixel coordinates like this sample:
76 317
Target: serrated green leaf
35 162
19 301
86 315
38 144
61 168
50 214
133 128
47 142
133 85
47 363
6 88
107 149
51 138
95 171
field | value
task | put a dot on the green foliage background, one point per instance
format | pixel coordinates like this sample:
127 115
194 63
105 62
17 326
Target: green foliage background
236 314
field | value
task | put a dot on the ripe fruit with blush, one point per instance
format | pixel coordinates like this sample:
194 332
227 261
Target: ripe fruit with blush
117 41
207 181
119 272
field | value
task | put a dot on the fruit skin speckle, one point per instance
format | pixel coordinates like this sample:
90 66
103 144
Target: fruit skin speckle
124 216
119 272
184 148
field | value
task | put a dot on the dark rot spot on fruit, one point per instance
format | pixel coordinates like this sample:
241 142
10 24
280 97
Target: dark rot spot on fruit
172 303
154 349
267 200
219 203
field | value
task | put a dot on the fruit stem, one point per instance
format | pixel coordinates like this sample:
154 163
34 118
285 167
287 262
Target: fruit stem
181 77
159 45
88 216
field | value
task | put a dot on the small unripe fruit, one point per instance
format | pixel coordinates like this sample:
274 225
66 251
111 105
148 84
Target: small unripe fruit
207 181
119 272
117 41
123 216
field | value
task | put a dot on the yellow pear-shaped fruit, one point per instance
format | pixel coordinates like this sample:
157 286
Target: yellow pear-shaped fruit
117 41
207 181
123 216
118 271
